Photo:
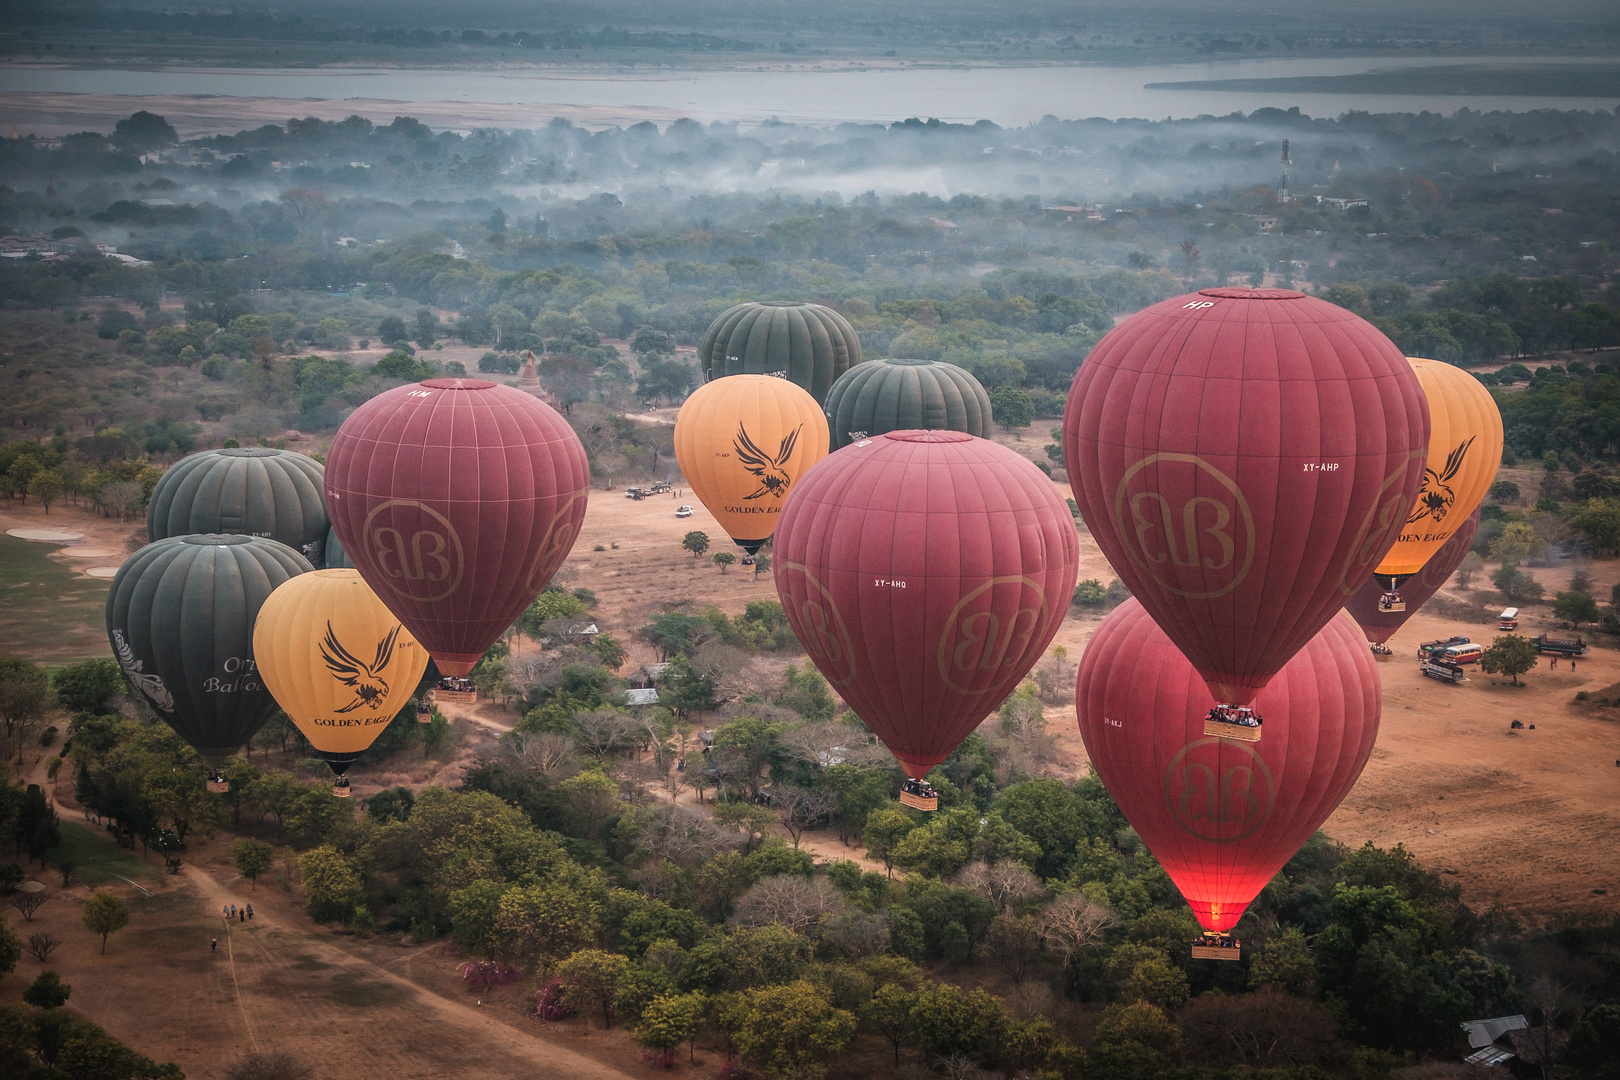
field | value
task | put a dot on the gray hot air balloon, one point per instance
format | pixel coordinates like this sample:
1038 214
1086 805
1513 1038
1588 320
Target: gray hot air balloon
809 344
180 620
898 395
254 491
336 557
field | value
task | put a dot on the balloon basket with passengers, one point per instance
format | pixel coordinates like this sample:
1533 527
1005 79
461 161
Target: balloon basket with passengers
919 795
1213 946
1233 722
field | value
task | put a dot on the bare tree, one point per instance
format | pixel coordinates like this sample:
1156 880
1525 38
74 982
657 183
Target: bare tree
28 903
41 945
728 669
857 933
825 743
546 753
600 732
1552 997
802 808
1074 923
791 901
1002 883
122 498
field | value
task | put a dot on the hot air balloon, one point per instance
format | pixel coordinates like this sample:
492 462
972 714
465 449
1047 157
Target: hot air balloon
809 344
1379 619
336 557
338 662
457 500
1223 816
925 572
180 620
255 491
1465 449
879 396
1244 459
741 443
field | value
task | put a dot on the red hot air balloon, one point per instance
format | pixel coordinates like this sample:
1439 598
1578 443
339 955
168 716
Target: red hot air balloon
925 572
1244 459
1378 619
1223 816
456 499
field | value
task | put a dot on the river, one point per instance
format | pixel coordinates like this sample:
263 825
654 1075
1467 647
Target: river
1009 96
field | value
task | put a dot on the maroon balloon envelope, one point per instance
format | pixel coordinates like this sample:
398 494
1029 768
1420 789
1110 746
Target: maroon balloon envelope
457 500
925 572
1244 459
1380 625
1221 815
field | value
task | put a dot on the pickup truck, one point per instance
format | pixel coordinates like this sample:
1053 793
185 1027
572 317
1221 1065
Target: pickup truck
1436 648
1558 646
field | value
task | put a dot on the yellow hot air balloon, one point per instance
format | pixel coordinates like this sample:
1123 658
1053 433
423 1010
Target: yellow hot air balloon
1465 450
741 442
338 662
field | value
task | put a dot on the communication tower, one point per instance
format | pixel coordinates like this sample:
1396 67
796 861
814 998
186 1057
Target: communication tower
1282 187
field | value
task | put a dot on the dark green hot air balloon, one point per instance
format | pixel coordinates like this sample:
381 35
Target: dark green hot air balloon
899 395
254 491
180 620
811 345
336 557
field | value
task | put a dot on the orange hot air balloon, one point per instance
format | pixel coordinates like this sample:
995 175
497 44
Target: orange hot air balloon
338 662
1465 449
741 442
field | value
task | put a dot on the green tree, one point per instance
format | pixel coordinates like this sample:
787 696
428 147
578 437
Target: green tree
10 946
551 604
47 991
723 559
1011 408
543 924
608 650
888 1013
1156 982
948 1021
696 542
1052 815
591 979
252 857
1471 567
672 1019
1285 962
105 913
1575 608
1517 542
883 832
24 693
475 913
331 884
1134 1042
1599 522
1516 586
1510 655
782 1028
46 486
88 685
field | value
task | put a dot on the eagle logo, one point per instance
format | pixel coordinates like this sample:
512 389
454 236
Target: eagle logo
150 685
773 477
370 688
1435 496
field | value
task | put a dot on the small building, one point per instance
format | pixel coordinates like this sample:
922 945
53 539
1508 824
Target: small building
642 696
1491 1040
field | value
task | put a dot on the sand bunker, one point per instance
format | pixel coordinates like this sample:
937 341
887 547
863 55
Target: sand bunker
84 551
103 571
49 536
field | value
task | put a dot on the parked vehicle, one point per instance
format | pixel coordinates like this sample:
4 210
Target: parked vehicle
1558 646
1444 671
1508 620
659 488
1436 648
633 493
683 511
1463 654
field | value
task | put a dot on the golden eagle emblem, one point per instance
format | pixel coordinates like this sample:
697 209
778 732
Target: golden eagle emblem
370 688
773 477
1435 496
